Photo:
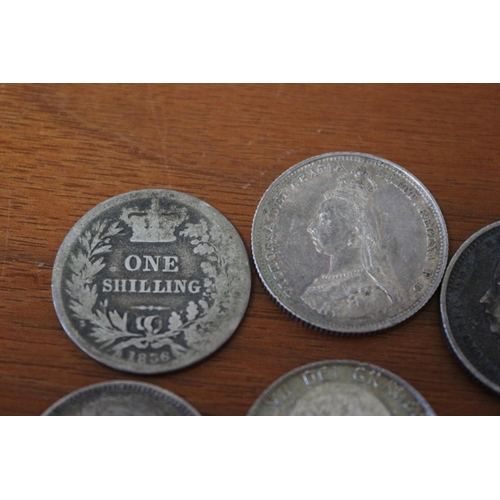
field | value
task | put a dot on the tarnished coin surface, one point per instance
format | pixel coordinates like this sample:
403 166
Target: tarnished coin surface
151 281
121 398
340 387
470 305
349 243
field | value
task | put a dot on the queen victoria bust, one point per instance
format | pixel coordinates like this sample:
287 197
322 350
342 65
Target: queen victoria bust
346 227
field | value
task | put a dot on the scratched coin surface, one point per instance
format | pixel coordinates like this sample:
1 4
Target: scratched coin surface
470 305
151 281
349 243
340 388
121 398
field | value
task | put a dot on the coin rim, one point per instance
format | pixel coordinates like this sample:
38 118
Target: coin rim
342 362
453 344
177 400
380 324
76 230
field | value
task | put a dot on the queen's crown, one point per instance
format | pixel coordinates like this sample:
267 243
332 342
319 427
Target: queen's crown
154 225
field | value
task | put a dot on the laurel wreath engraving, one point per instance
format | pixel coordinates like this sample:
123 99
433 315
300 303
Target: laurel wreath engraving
115 331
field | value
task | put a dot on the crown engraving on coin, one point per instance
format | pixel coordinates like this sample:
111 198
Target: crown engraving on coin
155 225
151 307
356 185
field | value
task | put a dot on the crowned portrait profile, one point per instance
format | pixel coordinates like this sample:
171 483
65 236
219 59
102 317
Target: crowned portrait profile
346 228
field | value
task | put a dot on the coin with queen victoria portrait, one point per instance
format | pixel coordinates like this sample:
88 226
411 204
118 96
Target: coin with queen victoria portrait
151 281
349 243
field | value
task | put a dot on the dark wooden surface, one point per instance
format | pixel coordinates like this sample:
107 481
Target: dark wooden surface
65 148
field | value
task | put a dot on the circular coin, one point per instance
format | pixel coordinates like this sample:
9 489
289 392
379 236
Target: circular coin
151 281
340 388
122 398
349 243
470 305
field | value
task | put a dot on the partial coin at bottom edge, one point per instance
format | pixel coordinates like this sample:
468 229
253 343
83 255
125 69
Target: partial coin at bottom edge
121 398
340 388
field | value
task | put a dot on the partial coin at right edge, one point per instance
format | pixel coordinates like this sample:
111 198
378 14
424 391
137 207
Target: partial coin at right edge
470 305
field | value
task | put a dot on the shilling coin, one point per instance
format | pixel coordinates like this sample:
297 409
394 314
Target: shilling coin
340 387
470 305
151 281
349 243
122 398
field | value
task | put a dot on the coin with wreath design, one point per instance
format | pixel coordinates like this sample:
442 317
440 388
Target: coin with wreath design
151 281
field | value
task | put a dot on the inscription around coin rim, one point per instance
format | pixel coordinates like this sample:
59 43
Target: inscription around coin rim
383 383
265 247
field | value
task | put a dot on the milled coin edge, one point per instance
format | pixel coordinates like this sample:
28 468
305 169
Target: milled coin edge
75 230
381 325
342 362
452 343
177 401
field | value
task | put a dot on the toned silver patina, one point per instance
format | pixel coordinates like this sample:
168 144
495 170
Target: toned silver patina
121 398
470 305
349 243
151 281
340 387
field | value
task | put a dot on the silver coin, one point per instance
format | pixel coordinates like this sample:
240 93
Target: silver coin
470 305
340 387
151 281
349 243
121 398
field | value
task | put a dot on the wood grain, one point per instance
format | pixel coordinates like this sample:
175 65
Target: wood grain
65 148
